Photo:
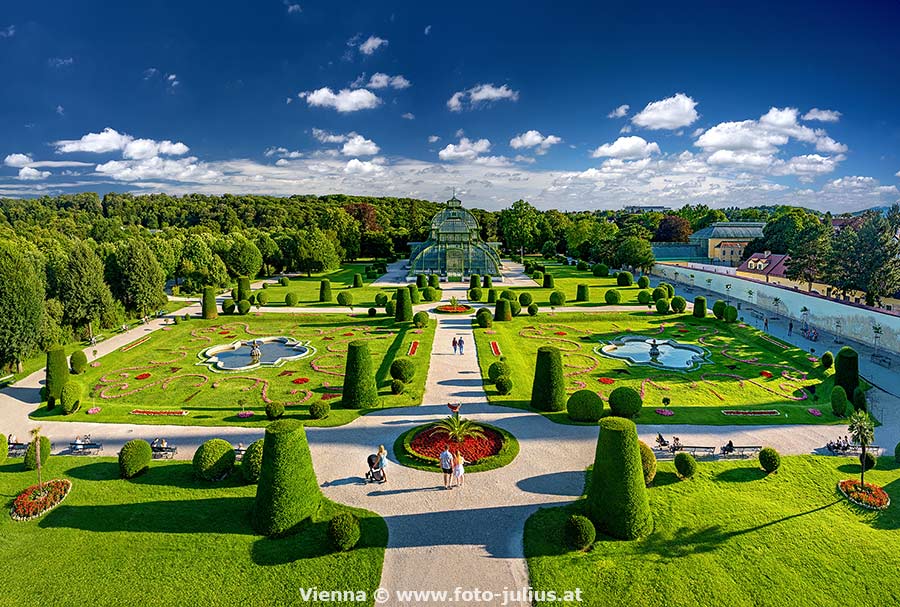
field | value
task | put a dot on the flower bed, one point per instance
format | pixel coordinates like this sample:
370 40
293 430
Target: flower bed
300 380
457 309
93 411
175 413
134 344
32 503
429 444
752 412
495 348
142 376
413 347
606 380
815 412
766 374
665 412
245 414
868 496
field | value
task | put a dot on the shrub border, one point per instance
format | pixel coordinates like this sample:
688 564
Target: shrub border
406 457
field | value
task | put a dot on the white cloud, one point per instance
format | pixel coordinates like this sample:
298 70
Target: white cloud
140 149
109 140
427 29
466 149
822 115
408 116
30 174
619 112
326 137
60 110
435 139
534 139
345 100
380 80
697 132
8 31
17 160
150 72
747 159
292 7
357 145
282 153
355 166
897 174
670 113
493 161
182 169
480 94
60 62
372 44
828 145
809 166
525 159
627 147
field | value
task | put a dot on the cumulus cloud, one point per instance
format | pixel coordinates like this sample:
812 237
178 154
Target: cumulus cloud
140 149
380 80
466 149
17 160
408 116
326 137
534 139
435 139
671 113
619 112
626 147
372 44
355 166
108 140
31 174
822 115
282 153
808 166
343 101
480 94
182 169
357 145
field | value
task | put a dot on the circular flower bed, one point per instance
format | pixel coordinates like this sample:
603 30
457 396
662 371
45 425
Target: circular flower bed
869 496
420 448
142 376
457 309
32 503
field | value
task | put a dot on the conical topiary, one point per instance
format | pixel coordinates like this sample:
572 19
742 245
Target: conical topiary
325 290
583 293
360 390
209 303
502 310
403 312
548 392
846 370
57 374
617 498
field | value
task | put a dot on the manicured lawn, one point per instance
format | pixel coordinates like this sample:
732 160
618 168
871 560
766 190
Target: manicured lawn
167 539
737 538
738 356
178 380
307 288
567 279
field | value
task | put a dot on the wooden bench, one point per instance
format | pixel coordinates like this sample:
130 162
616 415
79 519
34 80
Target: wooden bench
17 449
85 448
878 359
695 449
741 450
857 450
164 452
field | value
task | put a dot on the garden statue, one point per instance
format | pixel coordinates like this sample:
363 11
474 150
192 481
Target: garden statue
654 349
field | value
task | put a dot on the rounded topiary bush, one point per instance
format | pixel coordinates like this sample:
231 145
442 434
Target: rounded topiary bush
372 312
475 294
670 290
345 298
57 374
274 410
839 401
585 406
434 281
357 281
579 532
699 307
403 369
134 458
537 276
533 309
404 312
583 293
78 361
502 310
582 265
659 293
243 306
319 410
30 460
484 320
617 495
648 462
397 387
487 282
644 296
360 390
390 308
262 298
731 314
685 465
251 462
624 279
869 461
343 531
421 281
228 306
625 402
600 270
643 282
284 281
719 309
431 294
288 492
525 299
214 460
612 297
420 319
70 399
662 306
474 281
549 282
507 294
679 304
414 295
498 368
515 307
769 459
504 384
381 300
827 360
548 391
846 369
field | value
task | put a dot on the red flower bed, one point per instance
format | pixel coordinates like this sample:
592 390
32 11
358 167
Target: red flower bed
412 348
751 412
766 374
682 330
224 332
430 442
495 348
348 334
142 376
161 413
606 380
560 333
869 496
300 380
457 309
31 503
330 395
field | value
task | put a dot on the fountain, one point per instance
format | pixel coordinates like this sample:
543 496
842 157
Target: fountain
665 354
261 352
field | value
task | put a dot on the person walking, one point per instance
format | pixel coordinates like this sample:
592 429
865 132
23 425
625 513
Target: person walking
790 327
461 345
447 465
459 470
766 324
455 345
382 462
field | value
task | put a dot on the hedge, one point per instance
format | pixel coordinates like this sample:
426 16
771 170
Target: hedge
251 462
533 309
648 462
600 270
504 384
4 448
525 299
846 369
403 369
357 281
583 293
719 309
325 290
548 281
585 406
548 391
839 401
679 304
319 409
474 281
645 296
662 306
403 311
625 402
214 460
360 390
579 532
229 306
617 497
557 298
343 531
731 314
243 288
57 374
243 306
624 279
78 360
502 310
209 303
700 307
685 465
30 461
134 458
769 459
487 282
613 297
287 492
643 282
475 294
498 368
70 398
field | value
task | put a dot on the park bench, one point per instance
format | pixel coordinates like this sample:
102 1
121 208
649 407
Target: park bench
878 359
857 450
17 449
85 448
695 449
7 380
239 453
164 452
741 450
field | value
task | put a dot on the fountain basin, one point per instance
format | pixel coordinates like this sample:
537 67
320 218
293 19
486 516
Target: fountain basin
274 352
635 350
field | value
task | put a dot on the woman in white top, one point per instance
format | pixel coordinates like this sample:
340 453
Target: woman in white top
382 462
459 470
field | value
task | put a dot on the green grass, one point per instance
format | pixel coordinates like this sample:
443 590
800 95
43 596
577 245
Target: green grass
567 279
166 539
307 288
738 538
693 399
406 457
213 398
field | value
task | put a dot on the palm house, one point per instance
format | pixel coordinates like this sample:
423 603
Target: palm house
454 246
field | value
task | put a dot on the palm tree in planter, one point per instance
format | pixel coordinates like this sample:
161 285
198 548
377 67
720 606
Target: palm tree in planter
776 303
458 429
862 433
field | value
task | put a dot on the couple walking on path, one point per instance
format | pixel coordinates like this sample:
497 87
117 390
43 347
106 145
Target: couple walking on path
458 345
453 467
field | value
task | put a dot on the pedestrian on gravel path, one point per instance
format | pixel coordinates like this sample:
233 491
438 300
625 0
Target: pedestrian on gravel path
459 470
455 345
790 328
447 465
461 345
766 325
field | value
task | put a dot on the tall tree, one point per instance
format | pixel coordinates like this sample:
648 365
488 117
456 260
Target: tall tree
808 260
81 288
519 225
878 256
242 257
635 252
136 278
842 269
21 305
673 228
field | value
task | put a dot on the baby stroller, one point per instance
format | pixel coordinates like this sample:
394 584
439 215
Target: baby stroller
374 475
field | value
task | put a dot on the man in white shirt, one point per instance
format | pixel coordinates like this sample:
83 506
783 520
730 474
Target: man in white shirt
447 465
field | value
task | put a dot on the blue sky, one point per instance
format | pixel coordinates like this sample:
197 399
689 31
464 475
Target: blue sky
570 106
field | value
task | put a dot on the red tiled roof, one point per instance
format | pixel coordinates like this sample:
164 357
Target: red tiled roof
775 265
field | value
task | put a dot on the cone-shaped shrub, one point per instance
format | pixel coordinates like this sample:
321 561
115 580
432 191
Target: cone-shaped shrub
228 305
209 303
525 299
78 360
414 295
583 293
617 499
584 406
421 281
474 281
678 304
846 369
57 374
360 390
719 309
624 279
700 307
613 296
648 462
325 290
492 296
357 281
548 392
859 399
70 398
502 310
434 281
134 458
403 311
548 281
287 492
643 282
251 462
600 270
838 401
243 288
487 282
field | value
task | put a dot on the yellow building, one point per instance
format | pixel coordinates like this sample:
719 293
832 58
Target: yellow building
724 241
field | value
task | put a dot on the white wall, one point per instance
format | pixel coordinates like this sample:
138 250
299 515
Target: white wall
856 322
